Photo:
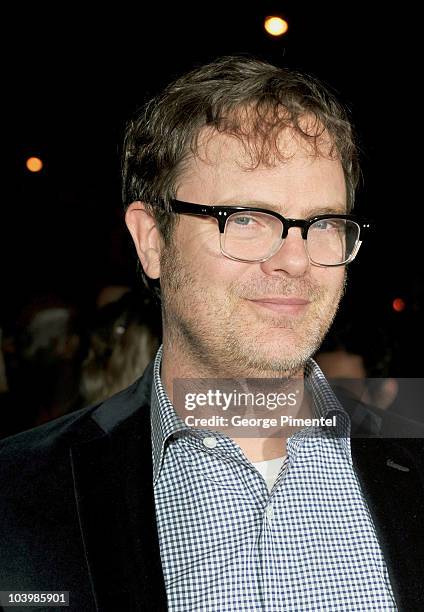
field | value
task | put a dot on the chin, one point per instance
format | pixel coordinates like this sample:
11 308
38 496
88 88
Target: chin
280 342
278 356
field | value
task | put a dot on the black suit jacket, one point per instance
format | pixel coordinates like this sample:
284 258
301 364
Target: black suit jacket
77 507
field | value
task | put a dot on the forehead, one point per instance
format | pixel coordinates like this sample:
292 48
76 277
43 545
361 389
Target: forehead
225 169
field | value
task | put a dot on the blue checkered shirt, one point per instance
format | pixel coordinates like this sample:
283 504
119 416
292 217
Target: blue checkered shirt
227 544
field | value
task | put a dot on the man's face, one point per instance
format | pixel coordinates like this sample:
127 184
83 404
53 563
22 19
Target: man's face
210 303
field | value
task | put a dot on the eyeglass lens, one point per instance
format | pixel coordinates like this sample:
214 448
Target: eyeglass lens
253 236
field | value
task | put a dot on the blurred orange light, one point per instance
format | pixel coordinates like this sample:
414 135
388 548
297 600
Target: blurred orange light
398 305
276 26
34 164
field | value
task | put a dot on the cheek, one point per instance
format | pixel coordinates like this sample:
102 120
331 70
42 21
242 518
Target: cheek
331 280
207 266
218 277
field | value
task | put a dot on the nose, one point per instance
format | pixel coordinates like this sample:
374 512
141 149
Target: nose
290 258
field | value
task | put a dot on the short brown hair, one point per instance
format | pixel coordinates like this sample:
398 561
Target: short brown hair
242 96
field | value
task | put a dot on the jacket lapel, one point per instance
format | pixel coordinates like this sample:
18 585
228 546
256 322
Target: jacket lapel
113 476
390 472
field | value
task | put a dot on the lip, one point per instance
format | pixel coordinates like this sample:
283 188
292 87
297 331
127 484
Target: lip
289 305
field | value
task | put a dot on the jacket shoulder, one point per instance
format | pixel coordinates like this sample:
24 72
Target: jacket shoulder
65 427
41 444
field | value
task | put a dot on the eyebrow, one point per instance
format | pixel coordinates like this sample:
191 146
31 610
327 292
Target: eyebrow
336 209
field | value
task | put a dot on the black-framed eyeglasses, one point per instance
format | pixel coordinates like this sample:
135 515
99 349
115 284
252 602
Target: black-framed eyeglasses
255 234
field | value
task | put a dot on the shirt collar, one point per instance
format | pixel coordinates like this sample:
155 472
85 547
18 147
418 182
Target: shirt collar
165 422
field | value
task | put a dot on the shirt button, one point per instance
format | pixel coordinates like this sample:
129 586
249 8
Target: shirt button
210 442
270 511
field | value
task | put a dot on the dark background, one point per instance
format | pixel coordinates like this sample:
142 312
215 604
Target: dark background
71 79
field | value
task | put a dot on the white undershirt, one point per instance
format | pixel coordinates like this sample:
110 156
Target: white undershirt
269 470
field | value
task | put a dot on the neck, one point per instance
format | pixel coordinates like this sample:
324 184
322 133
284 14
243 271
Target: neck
178 363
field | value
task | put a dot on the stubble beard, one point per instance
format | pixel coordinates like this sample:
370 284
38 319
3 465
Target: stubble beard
218 344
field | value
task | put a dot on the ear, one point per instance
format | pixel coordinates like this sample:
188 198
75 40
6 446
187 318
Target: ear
145 233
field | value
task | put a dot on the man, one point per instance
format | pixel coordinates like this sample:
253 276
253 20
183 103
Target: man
239 180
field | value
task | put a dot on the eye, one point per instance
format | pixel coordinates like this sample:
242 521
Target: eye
321 225
325 224
253 221
243 220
